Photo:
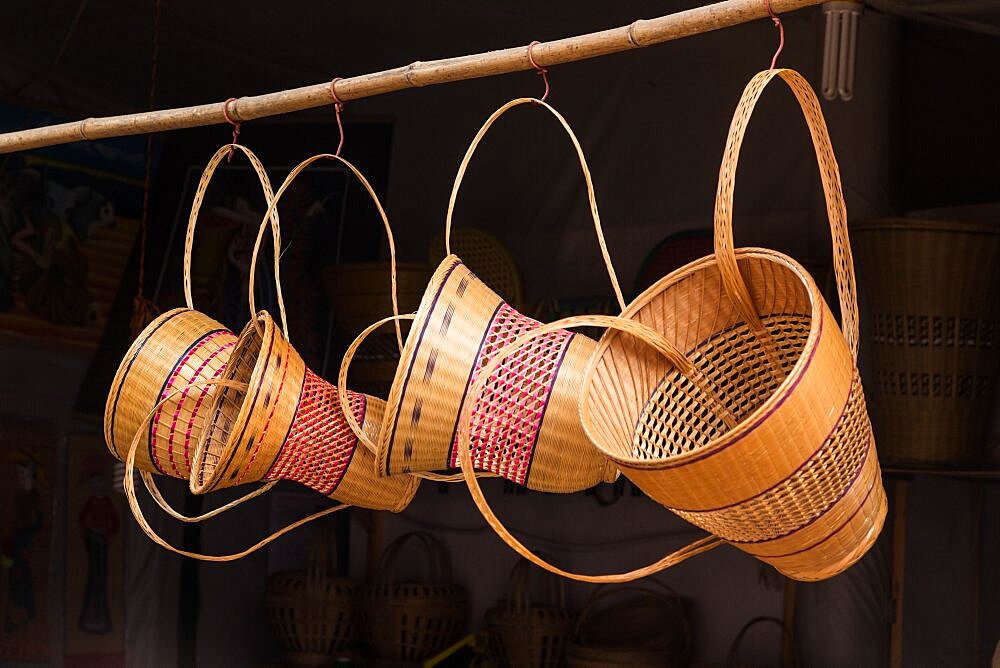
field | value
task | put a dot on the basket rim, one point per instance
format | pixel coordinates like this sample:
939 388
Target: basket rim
758 415
925 225
199 483
404 367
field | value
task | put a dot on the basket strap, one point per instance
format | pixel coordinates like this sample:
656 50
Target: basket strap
272 208
591 196
650 336
352 422
836 209
133 501
519 588
154 491
437 558
272 215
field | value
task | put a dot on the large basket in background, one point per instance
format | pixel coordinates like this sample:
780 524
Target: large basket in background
411 621
177 348
288 424
631 626
313 613
486 257
359 294
931 288
526 424
766 443
529 631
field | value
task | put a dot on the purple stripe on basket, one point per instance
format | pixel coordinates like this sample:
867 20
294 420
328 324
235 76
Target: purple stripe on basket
545 406
822 445
847 488
413 359
118 391
857 510
151 430
431 363
784 397
463 285
354 446
468 381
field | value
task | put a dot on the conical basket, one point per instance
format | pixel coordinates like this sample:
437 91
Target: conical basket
791 474
526 424
289 424
177 348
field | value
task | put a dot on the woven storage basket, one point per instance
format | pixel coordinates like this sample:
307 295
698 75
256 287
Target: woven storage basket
787 469
175 349
485 256
529 632
358 291
411 621
650 628
313 613
289 424
931 287
526 423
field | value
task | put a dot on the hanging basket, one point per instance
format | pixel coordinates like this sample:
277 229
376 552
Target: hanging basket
177 348
528 632
781 461
313 613
411 621
931 287
289 425
650 629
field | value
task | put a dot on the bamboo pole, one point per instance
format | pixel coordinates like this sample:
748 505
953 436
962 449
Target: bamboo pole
641 33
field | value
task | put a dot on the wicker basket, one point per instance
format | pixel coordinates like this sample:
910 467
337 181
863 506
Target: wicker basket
359 292
175 349
486 257
313 613
766 441
411 621
529 633
932 289
650 628
289 425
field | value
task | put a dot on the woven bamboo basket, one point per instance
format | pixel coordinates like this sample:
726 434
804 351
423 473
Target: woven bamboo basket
931 288
649 628
411 621
485 256
313 613
178 347
359 295
289 424
526 424
529 632
785 468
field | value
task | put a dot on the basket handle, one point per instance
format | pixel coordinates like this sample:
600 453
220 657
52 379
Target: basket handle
271 215
133 501
352 422
602 592
439 565
832 190
591 196
734 648
519 587
272 208
644 333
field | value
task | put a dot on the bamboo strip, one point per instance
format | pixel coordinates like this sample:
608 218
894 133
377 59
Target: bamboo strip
638 34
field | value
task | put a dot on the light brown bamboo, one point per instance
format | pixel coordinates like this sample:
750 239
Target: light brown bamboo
641 33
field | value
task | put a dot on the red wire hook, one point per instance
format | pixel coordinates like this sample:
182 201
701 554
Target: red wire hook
338 106
781 32
542 72
235 124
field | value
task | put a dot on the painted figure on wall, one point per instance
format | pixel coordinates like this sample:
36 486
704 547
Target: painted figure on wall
99 523
24 522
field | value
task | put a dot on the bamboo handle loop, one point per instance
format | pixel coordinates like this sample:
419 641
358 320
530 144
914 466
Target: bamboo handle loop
642 332
519 588
602 592
154 491
591 195
272 215
272 208
832 190
352 422
133 501
438 563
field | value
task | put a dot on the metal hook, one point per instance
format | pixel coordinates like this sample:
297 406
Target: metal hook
235 124
542 72
338 106
781 32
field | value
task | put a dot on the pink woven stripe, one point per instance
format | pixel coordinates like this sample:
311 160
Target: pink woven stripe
320 444
508 414
267 424
184 363
201 400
